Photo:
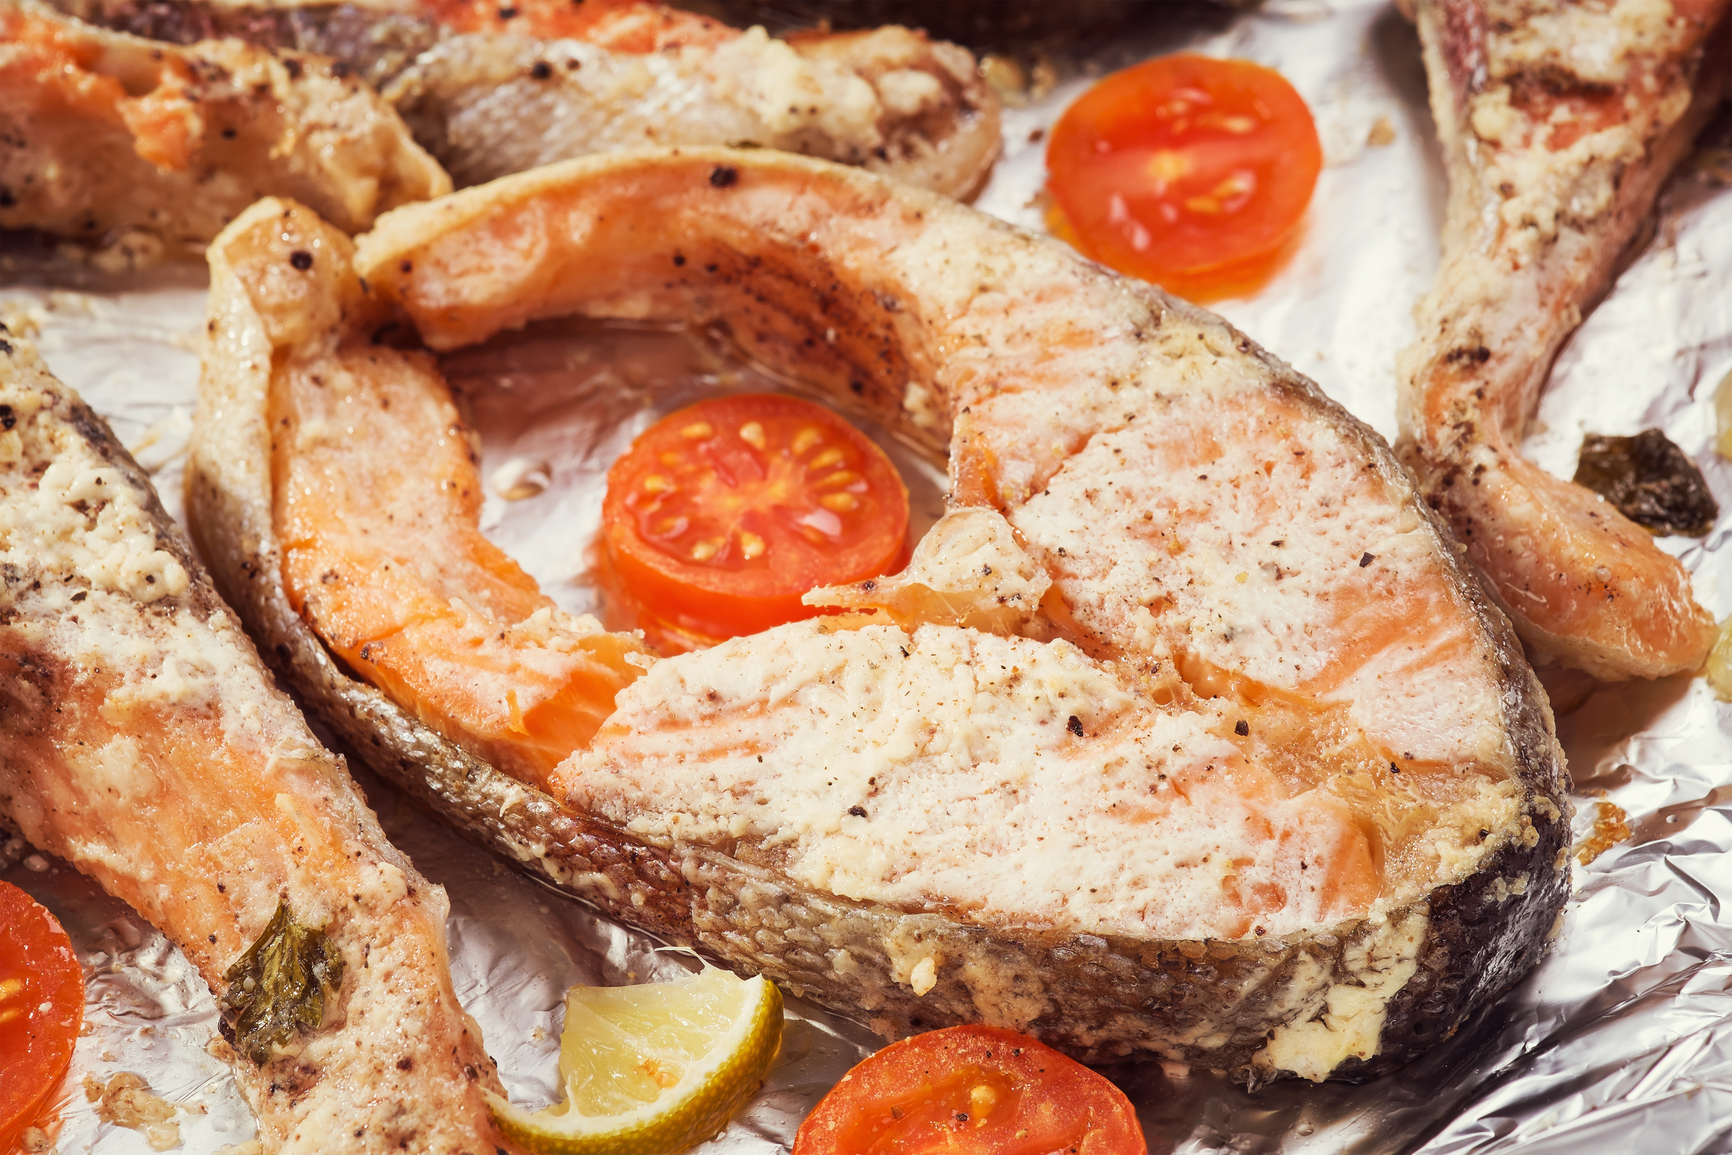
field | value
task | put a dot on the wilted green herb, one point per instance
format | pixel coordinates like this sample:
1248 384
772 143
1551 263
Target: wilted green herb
1650 480
277 989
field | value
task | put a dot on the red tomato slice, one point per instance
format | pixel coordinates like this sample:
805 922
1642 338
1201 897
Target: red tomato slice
41 1009
723 514
971 1091
1185 170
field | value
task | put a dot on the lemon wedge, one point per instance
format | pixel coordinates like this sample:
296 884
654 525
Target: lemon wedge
653 1069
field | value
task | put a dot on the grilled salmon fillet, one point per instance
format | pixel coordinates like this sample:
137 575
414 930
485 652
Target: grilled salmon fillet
890 100
1560 123
492 89
107 132
142 741
1186 734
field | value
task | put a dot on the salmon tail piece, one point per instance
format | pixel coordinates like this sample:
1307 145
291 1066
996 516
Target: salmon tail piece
142 741
1555 162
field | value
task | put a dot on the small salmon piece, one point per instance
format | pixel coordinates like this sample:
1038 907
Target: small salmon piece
495 88
378 508
546 88
1555 157
142 741
115 132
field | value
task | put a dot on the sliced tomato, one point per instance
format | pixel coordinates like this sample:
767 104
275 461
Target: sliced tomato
723 514
1185 170
41 1009
971 1091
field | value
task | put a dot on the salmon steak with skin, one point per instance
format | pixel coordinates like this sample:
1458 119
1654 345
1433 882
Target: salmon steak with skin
142 741
107 132
1185 734
1560 124
493 89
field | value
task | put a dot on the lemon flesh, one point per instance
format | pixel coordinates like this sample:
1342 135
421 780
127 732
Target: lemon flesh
653 1069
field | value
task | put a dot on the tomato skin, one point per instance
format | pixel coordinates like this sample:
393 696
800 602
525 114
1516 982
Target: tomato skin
41 1009
1184 170
971 1090
722 515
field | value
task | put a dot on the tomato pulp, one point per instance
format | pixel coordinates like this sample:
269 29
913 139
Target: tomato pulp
971 1091
1185 170
723 514
41 1009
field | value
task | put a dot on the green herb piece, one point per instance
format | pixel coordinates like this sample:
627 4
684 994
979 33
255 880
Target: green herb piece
1650 480
277 990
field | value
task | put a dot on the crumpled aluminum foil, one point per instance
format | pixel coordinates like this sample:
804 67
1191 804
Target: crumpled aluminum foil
1620 1039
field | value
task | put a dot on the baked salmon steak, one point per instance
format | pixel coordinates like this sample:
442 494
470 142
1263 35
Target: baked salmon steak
142 741
1186 733
107 133
492 89
1560 124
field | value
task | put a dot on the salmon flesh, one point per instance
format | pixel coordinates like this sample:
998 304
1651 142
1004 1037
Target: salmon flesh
142 741
1186 733
1560 123
109 134
493 91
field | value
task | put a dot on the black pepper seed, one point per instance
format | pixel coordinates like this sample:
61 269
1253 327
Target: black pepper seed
301 259
1242 728
1365 560
857 811
1074 725
541 70
724 176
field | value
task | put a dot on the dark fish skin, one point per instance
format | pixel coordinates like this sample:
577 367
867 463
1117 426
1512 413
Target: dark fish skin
377 44
1213 1003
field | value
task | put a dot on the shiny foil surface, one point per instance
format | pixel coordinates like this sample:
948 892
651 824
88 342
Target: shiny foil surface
1621 1039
